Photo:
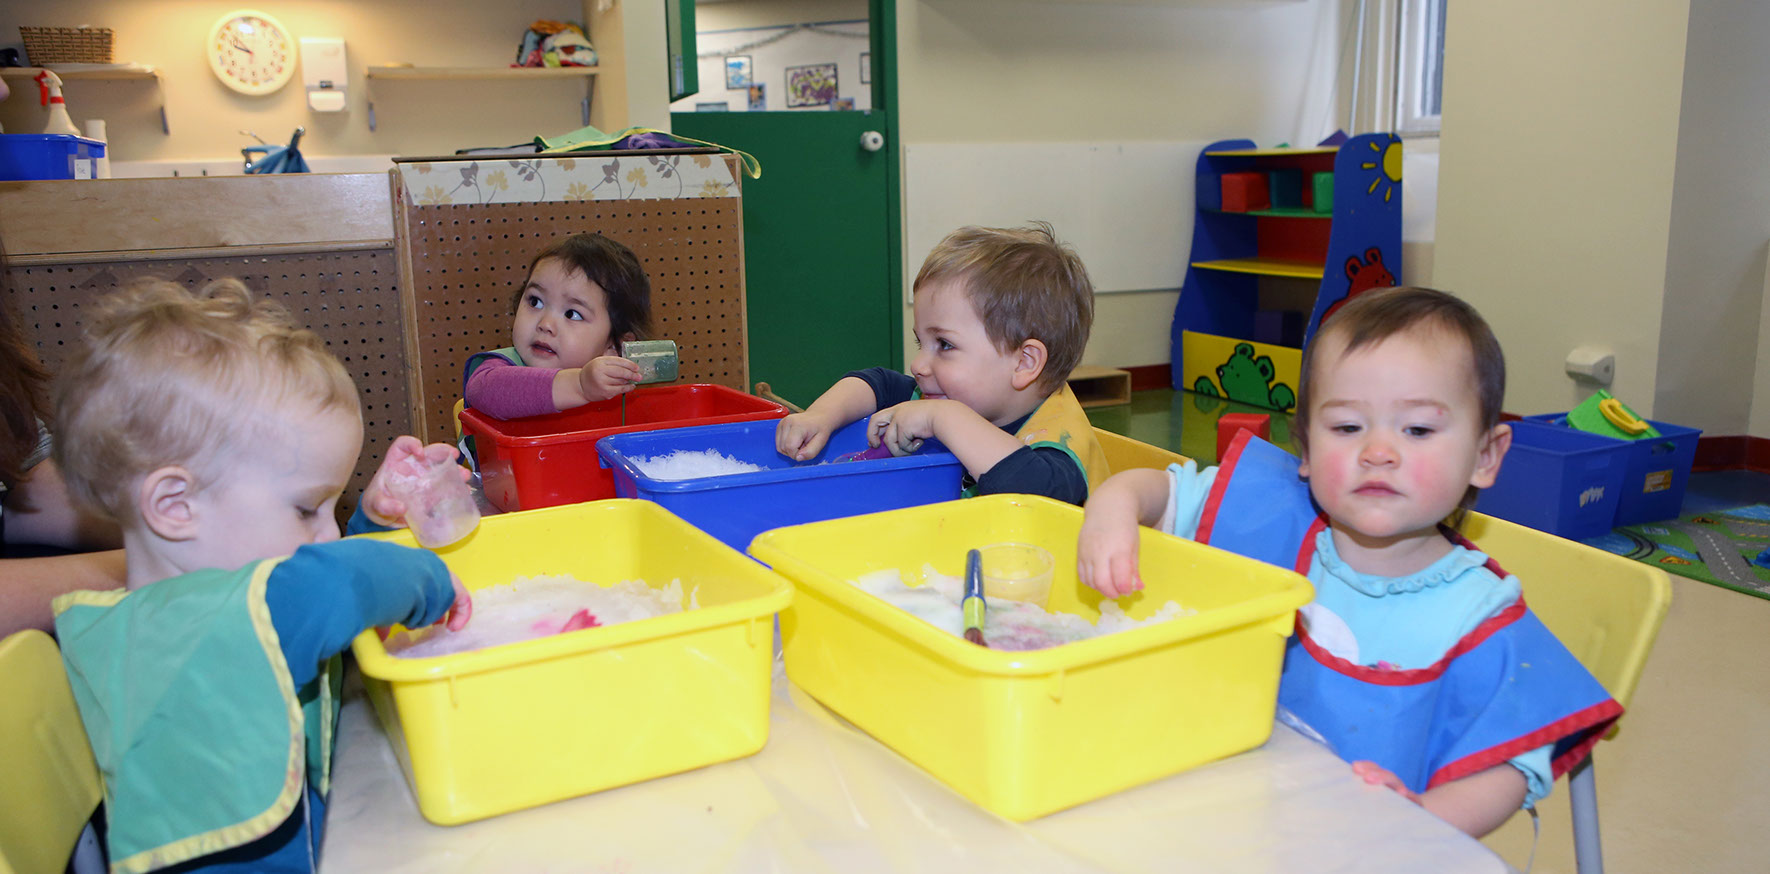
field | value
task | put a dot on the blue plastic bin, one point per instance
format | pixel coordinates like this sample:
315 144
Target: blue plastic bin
1558 480
738 507
1658 470
48 156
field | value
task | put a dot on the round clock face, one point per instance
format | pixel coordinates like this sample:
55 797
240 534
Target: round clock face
251 52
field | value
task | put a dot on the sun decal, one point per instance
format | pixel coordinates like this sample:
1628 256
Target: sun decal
1388 162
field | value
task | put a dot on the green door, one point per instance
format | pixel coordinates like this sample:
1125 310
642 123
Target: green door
821 263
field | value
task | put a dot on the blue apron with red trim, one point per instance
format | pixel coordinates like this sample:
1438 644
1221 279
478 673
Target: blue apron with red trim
1506 688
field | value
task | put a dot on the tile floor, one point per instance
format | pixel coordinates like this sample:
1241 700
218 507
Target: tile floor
1683 785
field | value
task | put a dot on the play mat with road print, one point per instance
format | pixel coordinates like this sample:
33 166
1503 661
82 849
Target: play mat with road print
1729 548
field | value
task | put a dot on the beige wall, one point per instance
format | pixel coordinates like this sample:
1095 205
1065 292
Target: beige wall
1004 71
733 14
1760 421
413 117
1714 279
1555 184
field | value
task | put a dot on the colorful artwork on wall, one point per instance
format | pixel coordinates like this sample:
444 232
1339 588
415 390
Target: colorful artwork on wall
758 98
737 72
811 85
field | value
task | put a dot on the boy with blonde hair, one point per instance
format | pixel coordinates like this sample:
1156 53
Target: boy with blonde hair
1002 317
219 436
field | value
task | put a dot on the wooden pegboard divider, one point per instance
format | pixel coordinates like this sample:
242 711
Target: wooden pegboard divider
351 299
462 264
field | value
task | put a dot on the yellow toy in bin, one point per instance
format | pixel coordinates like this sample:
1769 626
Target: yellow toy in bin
1024 734
487 732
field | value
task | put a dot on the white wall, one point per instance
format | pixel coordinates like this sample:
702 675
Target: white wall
1720 219
732 14
1557 159
979 71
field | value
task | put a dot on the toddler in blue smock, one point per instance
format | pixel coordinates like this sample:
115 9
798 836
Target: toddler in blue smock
1418 660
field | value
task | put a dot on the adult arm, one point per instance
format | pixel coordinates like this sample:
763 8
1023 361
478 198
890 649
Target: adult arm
28 585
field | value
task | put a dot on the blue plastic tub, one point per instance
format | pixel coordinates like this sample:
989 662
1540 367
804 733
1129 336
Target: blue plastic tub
48 156
738 507
1558 480
1657 473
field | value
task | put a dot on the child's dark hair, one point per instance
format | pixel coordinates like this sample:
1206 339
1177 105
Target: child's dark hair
615 269
1024 285
1377 315
23 396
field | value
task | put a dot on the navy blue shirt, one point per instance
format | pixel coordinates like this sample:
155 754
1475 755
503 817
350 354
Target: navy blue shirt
1045 470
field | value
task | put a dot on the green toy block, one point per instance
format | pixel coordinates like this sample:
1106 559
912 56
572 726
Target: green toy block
1324 191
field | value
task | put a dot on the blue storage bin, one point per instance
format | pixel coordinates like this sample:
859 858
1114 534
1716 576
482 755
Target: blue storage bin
1658 470
1558 480
48 156
736 508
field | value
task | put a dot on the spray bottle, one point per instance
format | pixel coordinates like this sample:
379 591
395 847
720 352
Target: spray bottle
49 94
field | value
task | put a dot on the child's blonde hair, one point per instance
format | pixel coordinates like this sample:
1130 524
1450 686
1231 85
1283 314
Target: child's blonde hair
1024 285
168 377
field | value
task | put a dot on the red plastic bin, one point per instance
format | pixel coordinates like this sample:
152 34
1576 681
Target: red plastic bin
544 461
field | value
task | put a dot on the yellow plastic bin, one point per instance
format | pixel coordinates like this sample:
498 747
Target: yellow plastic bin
495 730
1025 734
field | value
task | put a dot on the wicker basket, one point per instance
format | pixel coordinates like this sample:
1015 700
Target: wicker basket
67 45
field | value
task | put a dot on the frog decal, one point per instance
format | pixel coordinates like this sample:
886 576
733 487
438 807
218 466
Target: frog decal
1248 380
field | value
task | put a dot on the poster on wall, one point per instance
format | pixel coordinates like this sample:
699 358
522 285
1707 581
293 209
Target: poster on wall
758 99
811 85
737 72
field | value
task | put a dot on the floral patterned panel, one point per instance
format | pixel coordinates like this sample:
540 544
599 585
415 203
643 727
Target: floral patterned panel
592 176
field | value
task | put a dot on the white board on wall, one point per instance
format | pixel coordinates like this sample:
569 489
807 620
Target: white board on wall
1125 207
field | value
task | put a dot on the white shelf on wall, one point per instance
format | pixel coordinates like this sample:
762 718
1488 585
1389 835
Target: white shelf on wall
94 73
437 74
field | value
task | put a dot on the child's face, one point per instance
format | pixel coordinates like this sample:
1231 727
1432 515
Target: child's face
562 319
1395 434
280 493
956 358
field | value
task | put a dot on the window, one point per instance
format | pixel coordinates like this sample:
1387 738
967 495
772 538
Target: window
1419 87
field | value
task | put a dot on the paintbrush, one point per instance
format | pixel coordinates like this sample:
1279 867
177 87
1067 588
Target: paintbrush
973 604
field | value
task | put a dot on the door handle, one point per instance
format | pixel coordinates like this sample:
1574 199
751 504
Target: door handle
872 140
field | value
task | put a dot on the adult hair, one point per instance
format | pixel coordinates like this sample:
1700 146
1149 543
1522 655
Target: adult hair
24 398
1023 285
615 269
170 377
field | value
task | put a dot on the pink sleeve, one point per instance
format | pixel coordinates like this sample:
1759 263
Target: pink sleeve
506 391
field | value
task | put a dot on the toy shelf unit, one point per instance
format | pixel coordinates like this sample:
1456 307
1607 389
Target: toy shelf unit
1281 237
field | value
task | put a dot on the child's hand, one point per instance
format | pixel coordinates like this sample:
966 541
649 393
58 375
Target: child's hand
903 428
463 607
607 377
802 435
406 457
1377 775
1106 551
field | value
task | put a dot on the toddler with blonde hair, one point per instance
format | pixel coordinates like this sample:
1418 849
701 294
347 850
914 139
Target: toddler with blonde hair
220 436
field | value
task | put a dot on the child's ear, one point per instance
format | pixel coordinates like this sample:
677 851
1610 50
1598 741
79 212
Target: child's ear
1029 362
1492 451
1302 464
614 345
164 501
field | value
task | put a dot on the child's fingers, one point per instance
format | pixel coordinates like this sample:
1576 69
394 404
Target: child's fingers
462 610
1124 572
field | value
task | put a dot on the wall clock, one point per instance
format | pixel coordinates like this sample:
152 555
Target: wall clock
251 52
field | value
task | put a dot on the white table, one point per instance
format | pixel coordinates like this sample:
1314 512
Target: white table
824 796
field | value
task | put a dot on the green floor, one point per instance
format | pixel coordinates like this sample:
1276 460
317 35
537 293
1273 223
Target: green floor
1181 421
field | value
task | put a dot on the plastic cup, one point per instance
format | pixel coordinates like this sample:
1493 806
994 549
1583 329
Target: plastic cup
439 506
1017 572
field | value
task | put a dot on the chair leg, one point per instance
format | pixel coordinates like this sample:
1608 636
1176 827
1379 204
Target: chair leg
1582 794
